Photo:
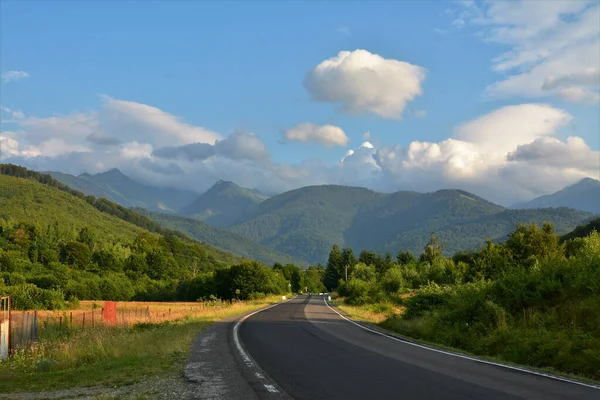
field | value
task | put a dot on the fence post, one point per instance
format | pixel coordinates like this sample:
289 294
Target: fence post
84 320
34 330
60 322
71 319
92 317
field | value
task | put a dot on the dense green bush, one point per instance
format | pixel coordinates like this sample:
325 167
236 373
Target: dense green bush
532 300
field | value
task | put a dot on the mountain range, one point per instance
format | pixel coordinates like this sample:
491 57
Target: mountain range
303 224
113 185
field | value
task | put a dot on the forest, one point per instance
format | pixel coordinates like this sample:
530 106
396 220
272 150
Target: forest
532 300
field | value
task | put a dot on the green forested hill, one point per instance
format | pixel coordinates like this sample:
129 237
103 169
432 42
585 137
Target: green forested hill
583 230
27 201
223 204
306 222
222 238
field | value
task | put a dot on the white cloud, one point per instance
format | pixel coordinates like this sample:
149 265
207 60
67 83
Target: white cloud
55 146
500 131
14 115
550 151
554 47
136 150
327 135
508 155
140 120
71 128
242 146
364 82
578 95
9 146
13 76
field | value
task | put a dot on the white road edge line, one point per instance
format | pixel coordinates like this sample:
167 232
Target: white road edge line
238 344
463 356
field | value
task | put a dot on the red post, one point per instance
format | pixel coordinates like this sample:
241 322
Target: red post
110 312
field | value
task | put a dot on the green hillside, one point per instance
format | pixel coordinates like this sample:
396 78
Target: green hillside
222 238
27 201
583 230
115 186
306 222
223 204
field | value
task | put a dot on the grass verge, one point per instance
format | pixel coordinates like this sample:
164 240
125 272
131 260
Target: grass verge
111 356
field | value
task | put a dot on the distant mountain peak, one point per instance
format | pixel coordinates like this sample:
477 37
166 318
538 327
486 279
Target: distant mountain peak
223 203
582 195
112 172
587 181
223 183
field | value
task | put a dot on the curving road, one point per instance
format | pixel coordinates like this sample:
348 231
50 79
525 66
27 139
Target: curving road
313 353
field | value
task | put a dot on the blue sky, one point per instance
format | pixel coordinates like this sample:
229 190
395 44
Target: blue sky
240 66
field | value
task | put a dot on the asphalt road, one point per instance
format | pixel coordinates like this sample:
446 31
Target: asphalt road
313 353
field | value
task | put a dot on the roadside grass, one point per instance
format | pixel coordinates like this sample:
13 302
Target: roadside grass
374 313
388 317
67 357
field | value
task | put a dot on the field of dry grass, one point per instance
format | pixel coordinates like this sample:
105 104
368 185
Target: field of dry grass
67 356
90 313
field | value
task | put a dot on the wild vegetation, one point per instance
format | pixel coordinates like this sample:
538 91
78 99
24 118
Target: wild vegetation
532 300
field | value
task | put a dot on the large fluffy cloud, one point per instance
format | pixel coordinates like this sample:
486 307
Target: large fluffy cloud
554 48
364 82
508 155
327 135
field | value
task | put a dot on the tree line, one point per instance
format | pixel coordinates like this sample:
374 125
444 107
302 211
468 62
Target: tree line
44 268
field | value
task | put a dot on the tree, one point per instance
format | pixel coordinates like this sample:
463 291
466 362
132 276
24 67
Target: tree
529 243
367 257
333 273
348 262
249 278
76 254
433 250
405 257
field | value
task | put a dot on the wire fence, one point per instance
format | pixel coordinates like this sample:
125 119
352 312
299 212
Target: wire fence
22 328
